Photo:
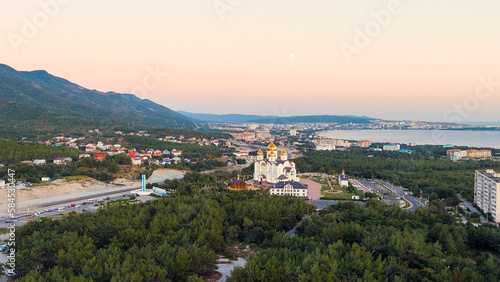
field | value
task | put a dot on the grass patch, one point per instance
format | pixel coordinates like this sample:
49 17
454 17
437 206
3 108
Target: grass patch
76 178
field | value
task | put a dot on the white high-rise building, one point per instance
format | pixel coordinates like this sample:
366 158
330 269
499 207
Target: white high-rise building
486 196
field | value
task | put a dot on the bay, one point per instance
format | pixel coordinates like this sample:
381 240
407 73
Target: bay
469 138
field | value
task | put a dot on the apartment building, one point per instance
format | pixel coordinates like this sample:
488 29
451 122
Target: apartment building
486 194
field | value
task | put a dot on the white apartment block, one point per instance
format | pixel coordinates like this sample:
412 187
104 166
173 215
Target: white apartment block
486 194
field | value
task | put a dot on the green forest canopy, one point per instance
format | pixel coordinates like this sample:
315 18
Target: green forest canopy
180 237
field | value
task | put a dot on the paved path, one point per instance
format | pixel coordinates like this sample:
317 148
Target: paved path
314 192
472 208
226 268
329 183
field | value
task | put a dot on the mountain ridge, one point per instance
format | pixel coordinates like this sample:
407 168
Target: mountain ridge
277 119
52 94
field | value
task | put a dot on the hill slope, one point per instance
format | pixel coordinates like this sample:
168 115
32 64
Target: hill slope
277 119
50 95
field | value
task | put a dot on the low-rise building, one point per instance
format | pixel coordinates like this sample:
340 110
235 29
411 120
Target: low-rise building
99 157
289 188
392 147
457 154
136 161
39 162
325 147
62 160
238 183
176 153
343 180
364 143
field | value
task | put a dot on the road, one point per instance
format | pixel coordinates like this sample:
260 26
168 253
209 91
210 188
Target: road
415 203
87 207
360 186
383 189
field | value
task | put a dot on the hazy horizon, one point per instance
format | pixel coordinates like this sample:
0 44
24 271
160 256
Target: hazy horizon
282 58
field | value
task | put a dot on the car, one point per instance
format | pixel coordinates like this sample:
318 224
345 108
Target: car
77 206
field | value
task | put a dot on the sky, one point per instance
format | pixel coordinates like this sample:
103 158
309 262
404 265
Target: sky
413 60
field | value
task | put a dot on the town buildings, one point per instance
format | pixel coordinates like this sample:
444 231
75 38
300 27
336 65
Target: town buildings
457 154
486 196
328 144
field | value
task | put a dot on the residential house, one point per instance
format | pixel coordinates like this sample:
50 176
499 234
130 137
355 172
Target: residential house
62 160
99 157
39 162
136 161
154 162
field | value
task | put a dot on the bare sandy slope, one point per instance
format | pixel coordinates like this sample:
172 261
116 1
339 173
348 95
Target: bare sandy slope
56 188
161 175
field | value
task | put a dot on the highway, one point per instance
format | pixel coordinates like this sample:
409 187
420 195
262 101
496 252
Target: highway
118 191
83 206
413 200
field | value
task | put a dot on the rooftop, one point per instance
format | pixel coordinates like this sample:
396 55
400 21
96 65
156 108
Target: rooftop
294 184
495 176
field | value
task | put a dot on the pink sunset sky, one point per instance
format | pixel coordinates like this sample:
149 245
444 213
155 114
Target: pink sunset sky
281 57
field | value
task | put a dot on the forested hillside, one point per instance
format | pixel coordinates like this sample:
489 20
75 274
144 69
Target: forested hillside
41 101
14 152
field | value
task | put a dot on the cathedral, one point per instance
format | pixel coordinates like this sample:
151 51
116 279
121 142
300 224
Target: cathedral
273 169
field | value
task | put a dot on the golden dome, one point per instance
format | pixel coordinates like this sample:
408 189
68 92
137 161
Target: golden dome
284 153
260 153
272 147
272 154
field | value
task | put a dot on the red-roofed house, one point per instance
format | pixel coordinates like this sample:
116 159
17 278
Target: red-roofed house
99 157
